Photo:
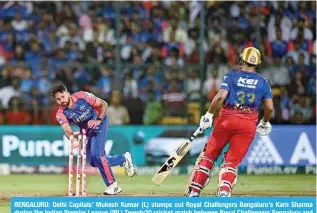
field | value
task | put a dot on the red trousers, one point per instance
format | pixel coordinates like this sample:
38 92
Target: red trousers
238 132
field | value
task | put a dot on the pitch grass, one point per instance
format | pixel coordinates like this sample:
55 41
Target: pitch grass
56 185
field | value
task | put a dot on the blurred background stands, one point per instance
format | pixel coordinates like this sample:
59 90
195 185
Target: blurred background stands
154 62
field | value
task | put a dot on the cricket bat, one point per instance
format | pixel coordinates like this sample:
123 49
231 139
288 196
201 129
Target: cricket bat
174 159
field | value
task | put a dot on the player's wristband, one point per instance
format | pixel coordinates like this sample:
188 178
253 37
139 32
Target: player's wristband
99 119
209 115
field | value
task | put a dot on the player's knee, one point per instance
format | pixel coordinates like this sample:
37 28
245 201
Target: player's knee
206 163
205 166
233 159
229 168
212 154
229 164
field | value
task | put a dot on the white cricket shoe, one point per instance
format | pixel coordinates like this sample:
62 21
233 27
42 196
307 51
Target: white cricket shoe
113 189
193 194
128 165
224 194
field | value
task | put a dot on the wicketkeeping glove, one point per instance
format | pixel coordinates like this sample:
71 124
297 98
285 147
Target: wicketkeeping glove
264 128
206 121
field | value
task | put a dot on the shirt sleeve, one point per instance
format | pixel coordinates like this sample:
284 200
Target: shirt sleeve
61 118
226 82
89 97
267 91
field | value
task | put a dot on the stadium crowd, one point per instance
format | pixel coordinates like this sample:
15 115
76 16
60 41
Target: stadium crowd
159 45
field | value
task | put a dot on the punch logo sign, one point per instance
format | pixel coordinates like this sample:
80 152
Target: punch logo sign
264 152
247 82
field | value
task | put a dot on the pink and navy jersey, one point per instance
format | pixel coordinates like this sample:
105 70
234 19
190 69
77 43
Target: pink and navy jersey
82 112
246 90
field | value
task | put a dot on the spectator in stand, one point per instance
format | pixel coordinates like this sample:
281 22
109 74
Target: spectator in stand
26 81
117 113
174 59
153 110
104 84
130 87
5 77
174 101
285 103
174 29
57 42
300 26
277 74
18 55
298 85
297 51
18 23
278 47
301 66
8 92
300 111
211 86
192 86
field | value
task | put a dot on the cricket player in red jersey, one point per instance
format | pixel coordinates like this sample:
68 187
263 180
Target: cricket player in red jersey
89 113
242 92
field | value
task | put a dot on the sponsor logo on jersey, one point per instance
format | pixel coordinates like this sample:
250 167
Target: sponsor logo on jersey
83 116
247 82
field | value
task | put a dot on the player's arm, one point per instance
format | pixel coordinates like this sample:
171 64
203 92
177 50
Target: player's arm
206 120
217 101
102 106
62 120
67 129
264 127
68 132
98 104
95 102
268 109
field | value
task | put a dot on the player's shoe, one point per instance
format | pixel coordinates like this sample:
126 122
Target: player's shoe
193 194
113 189
224 194
128 165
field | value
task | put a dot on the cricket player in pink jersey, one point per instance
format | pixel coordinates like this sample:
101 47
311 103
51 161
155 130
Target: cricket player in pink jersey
89 112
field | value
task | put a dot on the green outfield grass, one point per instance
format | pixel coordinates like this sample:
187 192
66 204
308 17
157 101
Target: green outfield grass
56 185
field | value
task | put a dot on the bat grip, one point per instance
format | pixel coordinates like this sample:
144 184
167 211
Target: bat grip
197 132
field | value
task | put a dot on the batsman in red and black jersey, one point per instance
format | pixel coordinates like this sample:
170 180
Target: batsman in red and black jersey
241 94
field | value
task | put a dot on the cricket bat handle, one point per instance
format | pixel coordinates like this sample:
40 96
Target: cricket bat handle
197 132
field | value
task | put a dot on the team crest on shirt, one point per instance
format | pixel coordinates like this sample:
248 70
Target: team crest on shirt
82 108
